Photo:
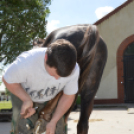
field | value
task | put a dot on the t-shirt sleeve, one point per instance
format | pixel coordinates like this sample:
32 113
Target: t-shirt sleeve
16 72
72 86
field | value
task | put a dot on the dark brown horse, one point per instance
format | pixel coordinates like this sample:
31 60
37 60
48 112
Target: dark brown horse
91 56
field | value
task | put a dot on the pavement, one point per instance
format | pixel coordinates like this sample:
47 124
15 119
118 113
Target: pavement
105 119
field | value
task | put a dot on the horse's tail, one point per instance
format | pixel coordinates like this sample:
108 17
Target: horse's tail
86 53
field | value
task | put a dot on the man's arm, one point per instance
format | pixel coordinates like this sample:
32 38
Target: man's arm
64 104
17 90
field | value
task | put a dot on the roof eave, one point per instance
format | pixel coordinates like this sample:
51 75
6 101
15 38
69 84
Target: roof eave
113 12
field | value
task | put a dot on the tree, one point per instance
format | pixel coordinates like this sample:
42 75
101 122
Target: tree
20 22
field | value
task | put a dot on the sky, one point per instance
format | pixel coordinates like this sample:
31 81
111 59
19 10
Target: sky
72 12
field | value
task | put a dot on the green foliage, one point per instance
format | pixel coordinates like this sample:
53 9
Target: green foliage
1 70
20 22
7 92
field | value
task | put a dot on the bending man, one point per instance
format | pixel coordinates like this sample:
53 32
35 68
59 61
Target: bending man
37 76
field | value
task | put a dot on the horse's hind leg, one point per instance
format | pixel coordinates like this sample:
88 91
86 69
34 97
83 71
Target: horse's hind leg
90 87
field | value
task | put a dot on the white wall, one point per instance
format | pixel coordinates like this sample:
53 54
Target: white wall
2 86
114 30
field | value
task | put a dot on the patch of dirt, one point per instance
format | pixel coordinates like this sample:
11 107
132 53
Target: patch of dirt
91 120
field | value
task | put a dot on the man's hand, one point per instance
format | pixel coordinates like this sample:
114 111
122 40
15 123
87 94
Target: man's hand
27 109
63 105
50 128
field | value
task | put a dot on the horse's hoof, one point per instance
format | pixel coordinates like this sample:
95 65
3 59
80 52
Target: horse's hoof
40 127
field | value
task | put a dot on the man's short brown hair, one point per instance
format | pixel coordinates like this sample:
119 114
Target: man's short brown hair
61 55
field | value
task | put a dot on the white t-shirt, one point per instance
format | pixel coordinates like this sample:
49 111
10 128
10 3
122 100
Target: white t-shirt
29 70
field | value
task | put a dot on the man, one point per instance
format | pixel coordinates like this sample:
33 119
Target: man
39 75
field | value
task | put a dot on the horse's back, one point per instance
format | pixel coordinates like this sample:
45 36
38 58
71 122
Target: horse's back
74 34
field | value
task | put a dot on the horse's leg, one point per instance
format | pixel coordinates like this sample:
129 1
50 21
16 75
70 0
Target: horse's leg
86 109
46 112
90 87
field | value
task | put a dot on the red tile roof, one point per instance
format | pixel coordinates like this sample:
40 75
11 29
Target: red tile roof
113 12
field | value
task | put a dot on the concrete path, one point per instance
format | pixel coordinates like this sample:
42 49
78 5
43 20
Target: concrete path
5 127
102 121
105 121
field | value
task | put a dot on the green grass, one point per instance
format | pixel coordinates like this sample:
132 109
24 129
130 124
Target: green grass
78 100
5 105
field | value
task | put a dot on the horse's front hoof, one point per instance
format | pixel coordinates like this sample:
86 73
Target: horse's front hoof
40 126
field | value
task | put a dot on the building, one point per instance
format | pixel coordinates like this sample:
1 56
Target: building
117 30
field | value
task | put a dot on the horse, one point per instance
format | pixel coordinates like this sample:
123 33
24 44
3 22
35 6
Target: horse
91 57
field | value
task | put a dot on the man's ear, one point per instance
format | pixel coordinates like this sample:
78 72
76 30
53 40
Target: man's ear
45 57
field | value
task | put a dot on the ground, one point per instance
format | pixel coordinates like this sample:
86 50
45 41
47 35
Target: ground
104 120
